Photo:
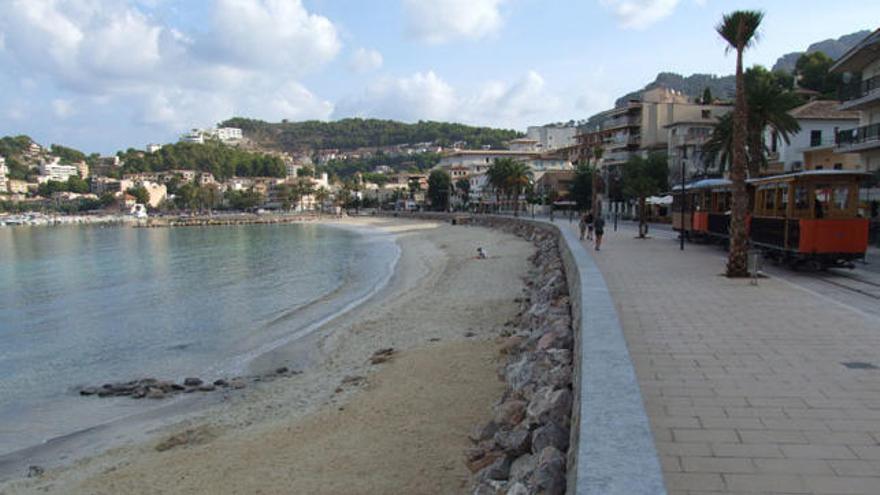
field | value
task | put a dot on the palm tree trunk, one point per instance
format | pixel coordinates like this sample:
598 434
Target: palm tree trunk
737 261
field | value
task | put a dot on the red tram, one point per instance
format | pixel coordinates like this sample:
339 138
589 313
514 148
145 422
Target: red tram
806 218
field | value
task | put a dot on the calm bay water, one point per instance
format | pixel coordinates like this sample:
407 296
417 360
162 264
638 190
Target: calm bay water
85 305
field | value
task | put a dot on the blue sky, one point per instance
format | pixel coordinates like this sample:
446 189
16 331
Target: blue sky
104 75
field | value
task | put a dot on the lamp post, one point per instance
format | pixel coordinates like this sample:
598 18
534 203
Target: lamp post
683 199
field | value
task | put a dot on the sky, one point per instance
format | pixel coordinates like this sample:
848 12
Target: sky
104 75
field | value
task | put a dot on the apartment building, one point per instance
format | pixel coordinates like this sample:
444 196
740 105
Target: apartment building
860 67
552 137
4 170
814 147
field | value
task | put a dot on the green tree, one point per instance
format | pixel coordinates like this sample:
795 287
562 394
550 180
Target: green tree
768 101
740 30
439 189
582 187
140 194
812 71
67 155
321 196
707 96
77 185
643 177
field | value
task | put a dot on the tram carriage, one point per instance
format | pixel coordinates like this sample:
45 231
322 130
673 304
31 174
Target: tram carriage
809 218
707 209
804 218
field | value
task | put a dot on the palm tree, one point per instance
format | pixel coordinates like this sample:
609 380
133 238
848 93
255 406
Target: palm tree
768 107
497 176
321 196
740 30
518 179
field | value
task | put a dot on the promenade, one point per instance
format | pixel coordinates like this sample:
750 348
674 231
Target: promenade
749 389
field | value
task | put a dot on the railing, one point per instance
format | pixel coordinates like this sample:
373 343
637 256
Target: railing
859 88
622 122
859 135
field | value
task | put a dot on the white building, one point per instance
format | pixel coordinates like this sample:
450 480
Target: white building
55 171
820 122
293 169
552 137
524 144
4 183
226 134
194 136
152 147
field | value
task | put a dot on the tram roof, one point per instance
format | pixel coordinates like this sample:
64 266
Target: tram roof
704 183
811 173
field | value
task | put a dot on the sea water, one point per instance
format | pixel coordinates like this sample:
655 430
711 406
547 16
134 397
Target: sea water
87 305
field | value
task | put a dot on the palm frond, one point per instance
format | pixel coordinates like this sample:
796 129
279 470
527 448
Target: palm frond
740 28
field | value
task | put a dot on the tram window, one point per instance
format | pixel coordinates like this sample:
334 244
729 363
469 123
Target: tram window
822 197
783 200
769 200
800 198
841 197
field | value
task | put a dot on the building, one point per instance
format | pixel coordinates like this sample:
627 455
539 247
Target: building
473 162
820 122
860 66
641 127
82 168
685 148
293 169
101 185
152 148
4 170
556 184
54 171
194 136
524 144
17 186
552 137
226 134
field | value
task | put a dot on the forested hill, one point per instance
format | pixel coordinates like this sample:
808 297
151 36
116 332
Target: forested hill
347 134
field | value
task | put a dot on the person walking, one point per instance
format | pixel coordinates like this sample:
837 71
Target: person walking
590 221
599 225
582 225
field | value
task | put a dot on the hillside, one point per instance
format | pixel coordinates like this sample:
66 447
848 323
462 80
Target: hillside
693 85
831 47
724 86
348 134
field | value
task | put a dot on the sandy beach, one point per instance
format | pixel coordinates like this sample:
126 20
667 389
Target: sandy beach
345 425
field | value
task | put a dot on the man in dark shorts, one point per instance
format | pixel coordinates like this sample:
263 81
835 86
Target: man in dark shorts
599 227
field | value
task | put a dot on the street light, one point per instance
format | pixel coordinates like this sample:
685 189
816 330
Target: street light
683 199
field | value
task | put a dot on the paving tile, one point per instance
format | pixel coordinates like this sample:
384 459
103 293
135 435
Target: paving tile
717 465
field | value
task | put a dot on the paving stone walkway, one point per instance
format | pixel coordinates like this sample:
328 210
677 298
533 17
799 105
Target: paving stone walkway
745 385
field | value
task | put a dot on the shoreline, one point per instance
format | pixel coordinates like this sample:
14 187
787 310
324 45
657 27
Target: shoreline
93 440
343 352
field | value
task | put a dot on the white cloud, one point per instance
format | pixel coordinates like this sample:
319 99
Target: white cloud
425 96
365 60
62 108
246 57
276 34
440 21
639 14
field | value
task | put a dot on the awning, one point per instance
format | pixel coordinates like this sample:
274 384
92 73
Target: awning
659 200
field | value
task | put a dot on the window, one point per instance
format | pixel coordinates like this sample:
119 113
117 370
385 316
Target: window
822 197
838 166
819 167
774 142
815 138
707 114
800 198
841 197
769 200
783 200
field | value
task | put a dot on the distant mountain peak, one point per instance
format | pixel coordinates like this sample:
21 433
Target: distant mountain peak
834 48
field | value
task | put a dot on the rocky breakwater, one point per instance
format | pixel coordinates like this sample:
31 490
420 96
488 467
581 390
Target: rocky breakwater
151 388
523 448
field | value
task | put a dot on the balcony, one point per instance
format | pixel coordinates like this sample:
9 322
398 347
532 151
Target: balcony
621 122
860 94
859 139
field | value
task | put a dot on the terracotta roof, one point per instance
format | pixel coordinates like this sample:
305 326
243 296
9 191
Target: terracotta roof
823 109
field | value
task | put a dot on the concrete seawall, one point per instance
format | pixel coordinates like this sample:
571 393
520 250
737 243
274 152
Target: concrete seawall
612 449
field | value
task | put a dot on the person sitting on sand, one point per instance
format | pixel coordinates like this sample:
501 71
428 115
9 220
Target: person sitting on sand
481 253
